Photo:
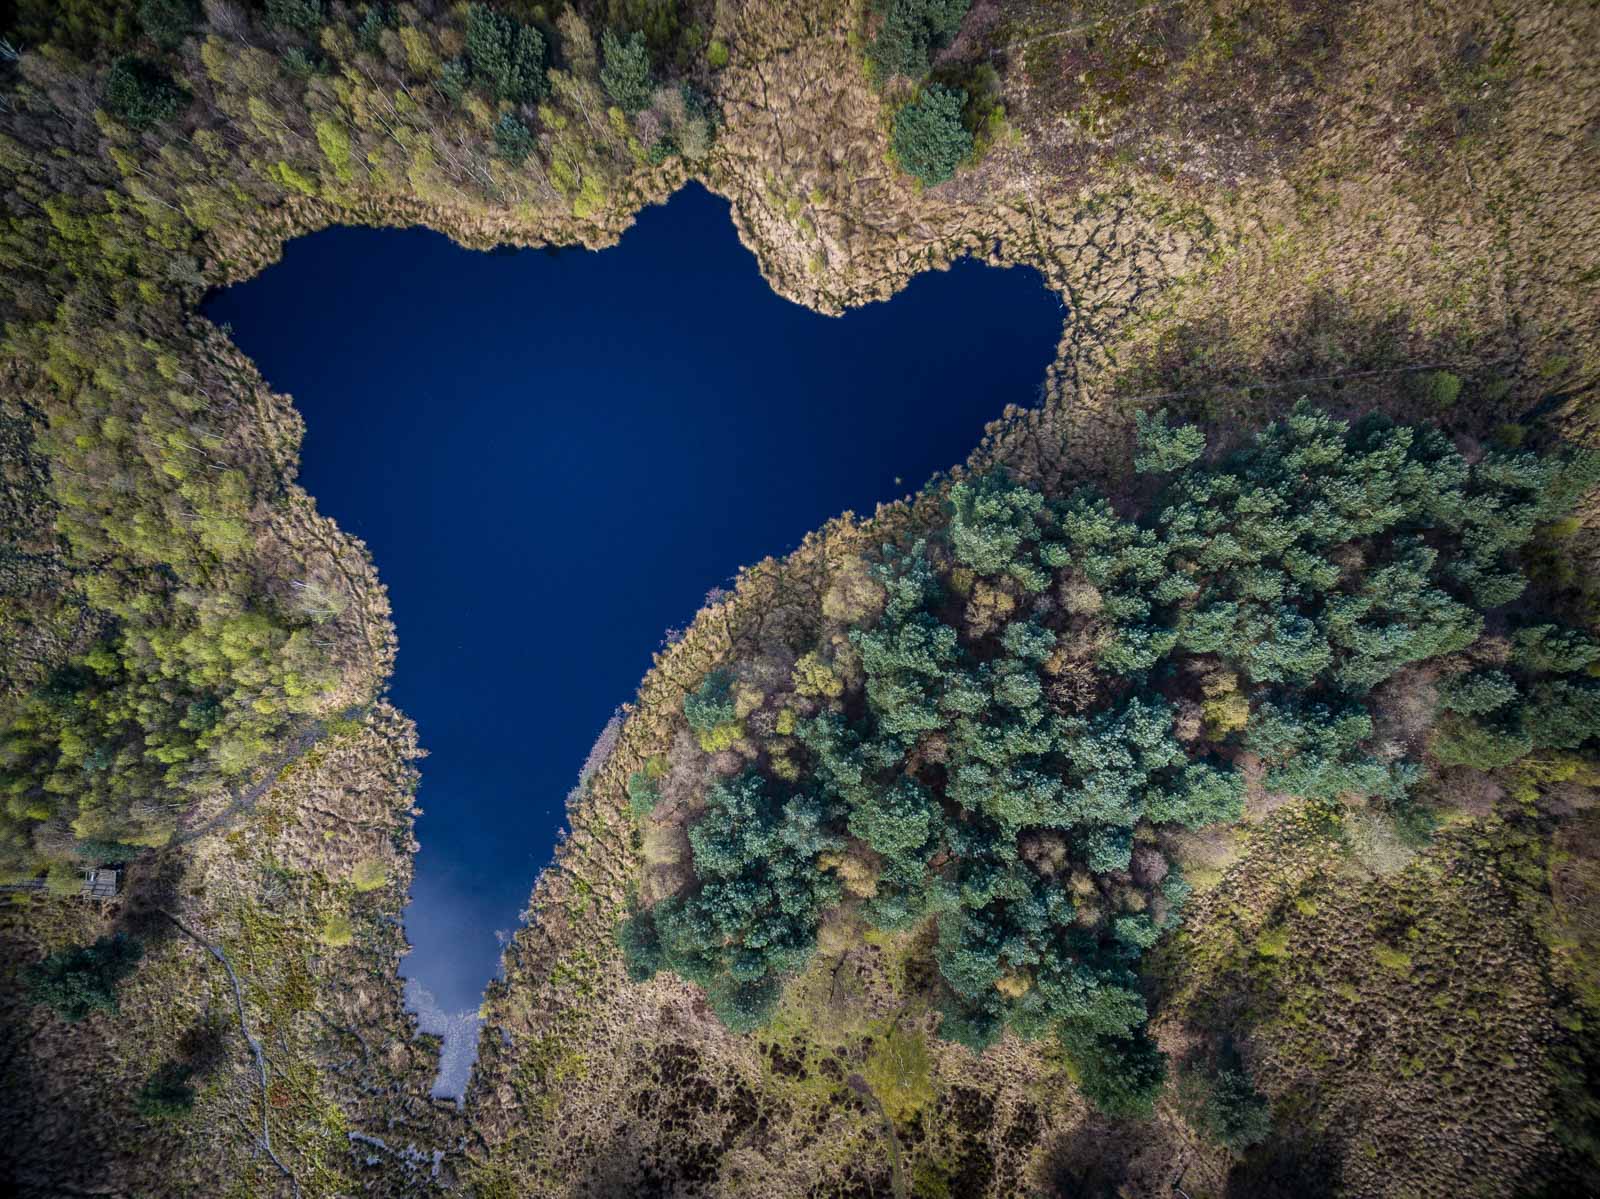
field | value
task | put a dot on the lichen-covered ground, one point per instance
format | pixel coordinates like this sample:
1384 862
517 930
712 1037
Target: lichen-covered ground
1240 204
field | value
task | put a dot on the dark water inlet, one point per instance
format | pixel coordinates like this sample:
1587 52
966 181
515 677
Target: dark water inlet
552 458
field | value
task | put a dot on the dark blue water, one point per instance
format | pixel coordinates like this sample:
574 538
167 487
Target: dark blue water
553 456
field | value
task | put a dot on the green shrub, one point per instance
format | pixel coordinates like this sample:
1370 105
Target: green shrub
100 852
899 1070
297 61
929 140
640 942
79 981
1441 389
454 79
1391 958
743 1006
369 874
337 931
643 795
370 32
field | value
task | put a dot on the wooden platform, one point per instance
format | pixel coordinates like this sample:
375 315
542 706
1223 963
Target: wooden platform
99 882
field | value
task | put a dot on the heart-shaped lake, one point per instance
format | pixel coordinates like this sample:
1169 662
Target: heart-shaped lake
553 456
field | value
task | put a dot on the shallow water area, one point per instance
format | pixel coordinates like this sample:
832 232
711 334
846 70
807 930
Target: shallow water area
552 456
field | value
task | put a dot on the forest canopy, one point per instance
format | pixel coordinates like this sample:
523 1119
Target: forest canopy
1000 714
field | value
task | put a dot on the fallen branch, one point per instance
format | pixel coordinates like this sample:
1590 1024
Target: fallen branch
255 1045
896 1179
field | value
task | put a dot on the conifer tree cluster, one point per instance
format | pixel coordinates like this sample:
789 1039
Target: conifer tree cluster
1043 683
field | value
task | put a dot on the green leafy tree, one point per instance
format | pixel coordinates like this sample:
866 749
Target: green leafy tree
1563 714
83 979
1481 744
928 139
625 70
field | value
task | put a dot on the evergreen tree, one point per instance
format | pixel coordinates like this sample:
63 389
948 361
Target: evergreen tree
513 140
1120 1076
1164 448
1224 1105
910 31
625 71
141 95
929 141
505 55
302 16
168 22
83 979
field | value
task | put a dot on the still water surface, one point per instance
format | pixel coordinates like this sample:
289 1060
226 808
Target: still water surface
554 455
